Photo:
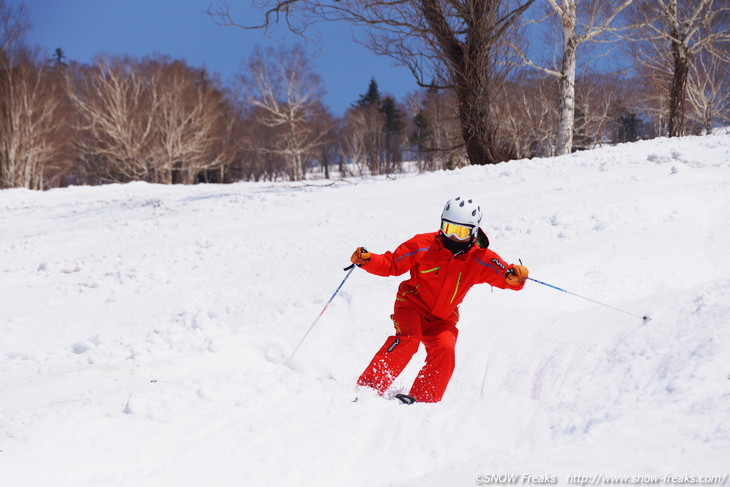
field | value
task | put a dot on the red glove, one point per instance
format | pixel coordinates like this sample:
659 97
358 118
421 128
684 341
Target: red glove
360 257
516 275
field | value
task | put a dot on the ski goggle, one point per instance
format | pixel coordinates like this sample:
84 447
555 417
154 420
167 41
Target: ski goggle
462 232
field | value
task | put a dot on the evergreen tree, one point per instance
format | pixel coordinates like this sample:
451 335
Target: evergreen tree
393 126
581 140
421 132
58 59
420 135
630 126
372 97
393 117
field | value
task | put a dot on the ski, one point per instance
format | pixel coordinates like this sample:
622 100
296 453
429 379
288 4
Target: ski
403 398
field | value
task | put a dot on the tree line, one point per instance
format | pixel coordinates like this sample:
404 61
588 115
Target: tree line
486 95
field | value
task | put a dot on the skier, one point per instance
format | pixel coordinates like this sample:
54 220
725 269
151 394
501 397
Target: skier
443 267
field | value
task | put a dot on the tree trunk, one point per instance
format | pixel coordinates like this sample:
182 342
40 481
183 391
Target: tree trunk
679 88
471 68
475 126
326 161
707 119
680 53
566 84
474 91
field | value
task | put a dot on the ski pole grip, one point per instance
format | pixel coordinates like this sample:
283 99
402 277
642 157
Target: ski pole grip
353 265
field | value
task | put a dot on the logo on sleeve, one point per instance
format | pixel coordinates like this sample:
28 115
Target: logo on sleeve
395 344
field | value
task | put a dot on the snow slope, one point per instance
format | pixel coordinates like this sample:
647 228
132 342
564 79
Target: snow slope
144 330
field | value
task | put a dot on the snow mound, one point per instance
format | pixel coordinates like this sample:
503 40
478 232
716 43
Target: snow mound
146 329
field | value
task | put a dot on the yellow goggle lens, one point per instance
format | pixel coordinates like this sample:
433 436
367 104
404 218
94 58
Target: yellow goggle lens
461 232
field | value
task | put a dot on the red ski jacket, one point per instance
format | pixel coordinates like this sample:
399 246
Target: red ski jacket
439 280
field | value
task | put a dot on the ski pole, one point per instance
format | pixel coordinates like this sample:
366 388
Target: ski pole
351 268
644 317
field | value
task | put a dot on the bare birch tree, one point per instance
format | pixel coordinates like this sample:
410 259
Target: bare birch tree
116 107
328 151
597 95
530 114
455 45
254 161
31 123
581 22
708 88
156 120
673 34
367 124
31 104
356 145
193 123
288 93
442 145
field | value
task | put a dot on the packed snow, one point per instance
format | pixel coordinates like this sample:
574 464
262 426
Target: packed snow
146 330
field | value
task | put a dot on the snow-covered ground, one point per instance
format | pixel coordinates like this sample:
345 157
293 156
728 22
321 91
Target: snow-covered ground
145 330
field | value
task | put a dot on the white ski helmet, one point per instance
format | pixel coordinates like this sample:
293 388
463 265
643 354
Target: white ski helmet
463 211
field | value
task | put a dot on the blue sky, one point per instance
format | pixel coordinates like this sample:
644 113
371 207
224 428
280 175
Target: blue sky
182 29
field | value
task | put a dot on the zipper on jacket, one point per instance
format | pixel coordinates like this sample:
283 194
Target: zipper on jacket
458 281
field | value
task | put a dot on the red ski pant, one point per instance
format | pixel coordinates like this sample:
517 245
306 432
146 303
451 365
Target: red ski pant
413 328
